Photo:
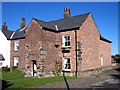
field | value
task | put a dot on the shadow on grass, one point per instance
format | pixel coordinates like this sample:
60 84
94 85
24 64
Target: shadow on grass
5 84
116 76
118 69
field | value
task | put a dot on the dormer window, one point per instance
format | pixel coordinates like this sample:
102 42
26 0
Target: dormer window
66 41
16 45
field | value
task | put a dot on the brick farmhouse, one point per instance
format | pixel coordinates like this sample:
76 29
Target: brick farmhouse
73 42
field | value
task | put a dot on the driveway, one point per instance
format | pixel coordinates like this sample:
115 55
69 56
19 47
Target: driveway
107 79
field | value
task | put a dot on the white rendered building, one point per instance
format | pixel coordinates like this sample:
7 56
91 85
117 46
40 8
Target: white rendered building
5 47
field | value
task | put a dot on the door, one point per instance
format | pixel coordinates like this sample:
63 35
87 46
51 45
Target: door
34 67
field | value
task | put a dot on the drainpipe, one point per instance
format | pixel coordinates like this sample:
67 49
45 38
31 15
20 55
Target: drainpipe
76 53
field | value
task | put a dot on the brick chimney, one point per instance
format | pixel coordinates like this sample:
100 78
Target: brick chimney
4 27
67 12
22 24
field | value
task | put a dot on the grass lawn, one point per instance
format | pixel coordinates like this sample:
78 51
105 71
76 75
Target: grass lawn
12 75
29 82
15 79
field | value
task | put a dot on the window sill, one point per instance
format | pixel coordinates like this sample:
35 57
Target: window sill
16 50
66 47
66 70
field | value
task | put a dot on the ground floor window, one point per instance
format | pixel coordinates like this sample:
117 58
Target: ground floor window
1 63
66 64
16 61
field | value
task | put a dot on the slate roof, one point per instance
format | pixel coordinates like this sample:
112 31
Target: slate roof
1 57
10 35
7 33
45 24
65 23
19 33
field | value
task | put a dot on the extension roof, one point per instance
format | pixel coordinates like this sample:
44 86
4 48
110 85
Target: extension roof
19 33
7 33
104 39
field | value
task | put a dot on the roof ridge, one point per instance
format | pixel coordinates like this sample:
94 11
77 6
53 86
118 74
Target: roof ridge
39 20
68 17
61 18
63 23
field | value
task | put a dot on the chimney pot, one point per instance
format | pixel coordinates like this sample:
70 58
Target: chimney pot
23 24
4 27
67 12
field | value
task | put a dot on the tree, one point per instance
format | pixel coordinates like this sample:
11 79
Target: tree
116 58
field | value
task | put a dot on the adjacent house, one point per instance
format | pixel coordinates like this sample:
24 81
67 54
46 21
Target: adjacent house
2 59
5 46
73 41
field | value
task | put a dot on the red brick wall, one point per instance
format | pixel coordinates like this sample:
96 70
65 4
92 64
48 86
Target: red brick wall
36 35
105 52
88 36
20 53
38 38
71 54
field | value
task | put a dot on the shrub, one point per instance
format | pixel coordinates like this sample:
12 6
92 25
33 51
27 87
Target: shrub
14 68
6 69
58 68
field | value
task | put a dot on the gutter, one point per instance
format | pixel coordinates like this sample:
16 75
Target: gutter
76 53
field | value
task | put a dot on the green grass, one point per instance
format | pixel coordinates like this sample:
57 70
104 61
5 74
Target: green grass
29 82
16 80
12 75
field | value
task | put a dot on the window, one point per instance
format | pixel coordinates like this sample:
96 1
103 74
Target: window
1 63
66 64
16 46
66 41
16 61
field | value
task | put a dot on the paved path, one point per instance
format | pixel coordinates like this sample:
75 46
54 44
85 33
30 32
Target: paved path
88 81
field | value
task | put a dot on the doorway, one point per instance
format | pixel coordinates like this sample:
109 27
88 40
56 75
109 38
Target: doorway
34 67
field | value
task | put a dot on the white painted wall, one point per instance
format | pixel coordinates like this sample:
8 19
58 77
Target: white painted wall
5 49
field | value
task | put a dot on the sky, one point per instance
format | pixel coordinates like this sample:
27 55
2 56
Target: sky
105 15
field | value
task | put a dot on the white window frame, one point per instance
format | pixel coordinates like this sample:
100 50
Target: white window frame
66 63
16 45
16 61
65 40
